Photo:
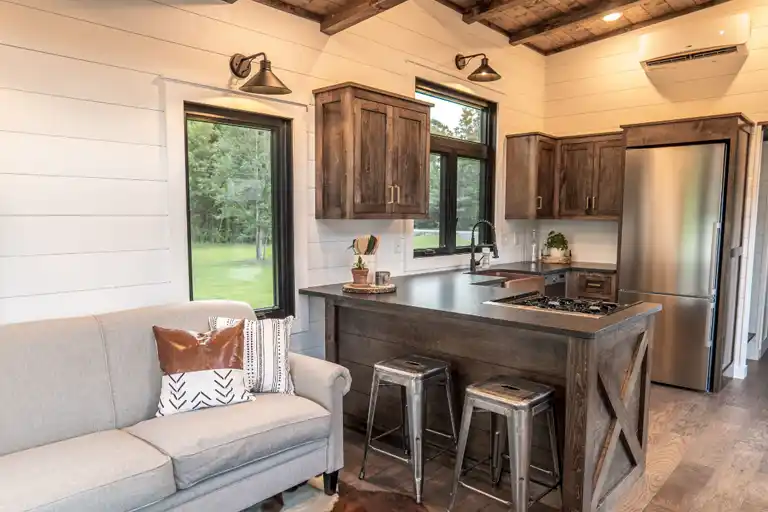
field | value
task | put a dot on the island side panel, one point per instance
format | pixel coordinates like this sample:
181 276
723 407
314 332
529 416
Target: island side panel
606 437
475 351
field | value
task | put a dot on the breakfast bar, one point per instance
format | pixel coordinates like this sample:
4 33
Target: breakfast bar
598 362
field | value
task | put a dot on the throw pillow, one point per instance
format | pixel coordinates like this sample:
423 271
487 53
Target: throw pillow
267 342
200 369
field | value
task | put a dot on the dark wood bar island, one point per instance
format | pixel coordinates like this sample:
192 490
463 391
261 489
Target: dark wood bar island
599 367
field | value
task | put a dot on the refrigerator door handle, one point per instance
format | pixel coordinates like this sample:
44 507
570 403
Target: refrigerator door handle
713 260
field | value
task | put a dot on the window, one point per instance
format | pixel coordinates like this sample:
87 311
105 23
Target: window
460 171
239 208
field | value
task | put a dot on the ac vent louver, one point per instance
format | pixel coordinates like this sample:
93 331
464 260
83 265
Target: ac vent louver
686 57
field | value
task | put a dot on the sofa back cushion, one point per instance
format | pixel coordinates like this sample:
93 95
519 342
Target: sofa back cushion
55 382
132 354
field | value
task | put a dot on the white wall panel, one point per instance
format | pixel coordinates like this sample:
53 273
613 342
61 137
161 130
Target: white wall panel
37 275
45 195
39 307
24 153
35 236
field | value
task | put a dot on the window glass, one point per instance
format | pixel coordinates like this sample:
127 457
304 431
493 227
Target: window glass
453 119
469 176
426 232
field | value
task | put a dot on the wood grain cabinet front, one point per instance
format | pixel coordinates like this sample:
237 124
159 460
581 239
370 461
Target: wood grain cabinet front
530 192
371 154
591 285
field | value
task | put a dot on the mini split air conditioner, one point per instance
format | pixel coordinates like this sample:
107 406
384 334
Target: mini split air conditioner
699 49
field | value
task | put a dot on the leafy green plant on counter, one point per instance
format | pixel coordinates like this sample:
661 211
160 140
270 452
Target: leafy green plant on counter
556 240
359 264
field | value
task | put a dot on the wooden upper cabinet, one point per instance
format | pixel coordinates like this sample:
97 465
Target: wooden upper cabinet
411 152
371 154
608 181
530 190
572 177
576 175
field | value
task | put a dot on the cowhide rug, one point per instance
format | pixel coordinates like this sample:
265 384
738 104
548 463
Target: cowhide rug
348 499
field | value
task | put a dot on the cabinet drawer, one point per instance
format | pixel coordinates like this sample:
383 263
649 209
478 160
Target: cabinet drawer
595 286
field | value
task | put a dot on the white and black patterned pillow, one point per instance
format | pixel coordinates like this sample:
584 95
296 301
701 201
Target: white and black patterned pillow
190 391
265 353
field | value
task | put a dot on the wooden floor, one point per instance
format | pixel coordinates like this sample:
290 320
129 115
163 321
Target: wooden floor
707 453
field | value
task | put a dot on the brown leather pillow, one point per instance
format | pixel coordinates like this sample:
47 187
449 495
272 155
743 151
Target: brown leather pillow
200 369
183 351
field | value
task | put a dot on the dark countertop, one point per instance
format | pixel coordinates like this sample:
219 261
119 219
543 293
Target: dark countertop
543 269
455 294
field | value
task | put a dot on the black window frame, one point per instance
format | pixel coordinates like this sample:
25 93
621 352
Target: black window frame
282 197
450 150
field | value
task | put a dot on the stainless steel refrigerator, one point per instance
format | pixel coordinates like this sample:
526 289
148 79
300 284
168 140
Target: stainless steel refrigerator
670 249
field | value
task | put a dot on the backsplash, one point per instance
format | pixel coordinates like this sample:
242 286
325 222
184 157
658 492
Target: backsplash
589 240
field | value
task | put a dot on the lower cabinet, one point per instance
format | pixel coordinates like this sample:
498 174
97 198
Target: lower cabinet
591 285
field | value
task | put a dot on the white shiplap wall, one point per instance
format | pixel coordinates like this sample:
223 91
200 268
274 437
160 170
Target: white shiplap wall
85 221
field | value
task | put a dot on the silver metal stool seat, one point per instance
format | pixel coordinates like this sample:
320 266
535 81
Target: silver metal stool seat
413 373
518 401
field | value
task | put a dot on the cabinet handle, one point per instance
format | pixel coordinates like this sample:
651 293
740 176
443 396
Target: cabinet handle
397 187
391 195
539 203
587 199
594 202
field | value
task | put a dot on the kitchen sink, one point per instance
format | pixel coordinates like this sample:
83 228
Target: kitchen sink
510 276
512 279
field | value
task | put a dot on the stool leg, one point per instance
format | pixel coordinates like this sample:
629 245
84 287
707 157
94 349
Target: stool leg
519 432
371 414
449 395
466 420
416 405
553 445
498 444
404 420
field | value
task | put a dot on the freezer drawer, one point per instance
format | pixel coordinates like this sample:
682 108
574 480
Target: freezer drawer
681 343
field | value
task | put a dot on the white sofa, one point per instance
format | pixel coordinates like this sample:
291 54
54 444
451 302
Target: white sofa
78 430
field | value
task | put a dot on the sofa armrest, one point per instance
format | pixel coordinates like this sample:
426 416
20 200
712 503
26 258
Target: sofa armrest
324 383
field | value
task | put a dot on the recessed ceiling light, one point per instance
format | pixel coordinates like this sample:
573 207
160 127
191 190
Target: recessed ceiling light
612 17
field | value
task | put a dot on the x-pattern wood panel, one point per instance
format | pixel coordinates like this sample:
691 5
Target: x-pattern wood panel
620 427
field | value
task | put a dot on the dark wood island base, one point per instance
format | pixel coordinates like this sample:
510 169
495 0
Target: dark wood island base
602 379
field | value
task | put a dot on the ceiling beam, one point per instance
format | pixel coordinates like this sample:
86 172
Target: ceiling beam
569 18
290 9
353 14
484 10
636 26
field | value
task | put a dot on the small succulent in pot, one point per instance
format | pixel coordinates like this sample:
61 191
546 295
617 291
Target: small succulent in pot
557 244
359 271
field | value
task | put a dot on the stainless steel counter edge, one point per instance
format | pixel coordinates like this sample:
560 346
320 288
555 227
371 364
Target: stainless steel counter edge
454 294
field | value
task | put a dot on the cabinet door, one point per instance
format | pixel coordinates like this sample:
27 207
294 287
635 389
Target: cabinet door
596 286
410 176
608 181
545 189
576 173
372 193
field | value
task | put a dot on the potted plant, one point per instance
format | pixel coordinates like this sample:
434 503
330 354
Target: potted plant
359 271
557 245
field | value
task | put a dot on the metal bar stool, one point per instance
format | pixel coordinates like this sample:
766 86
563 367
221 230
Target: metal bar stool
518 401
413 373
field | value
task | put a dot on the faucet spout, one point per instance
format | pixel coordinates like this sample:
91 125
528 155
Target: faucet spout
472 246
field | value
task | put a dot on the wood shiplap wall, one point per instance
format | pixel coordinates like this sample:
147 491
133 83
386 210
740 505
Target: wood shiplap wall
598 87
84 211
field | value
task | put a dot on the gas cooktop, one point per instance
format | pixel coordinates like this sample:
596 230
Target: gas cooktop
583 307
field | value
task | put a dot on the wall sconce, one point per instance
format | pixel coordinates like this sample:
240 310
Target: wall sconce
264 81
484 73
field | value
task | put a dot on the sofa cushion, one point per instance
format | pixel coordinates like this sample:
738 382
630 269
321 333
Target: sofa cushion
209 442
108 470
55 382
132 354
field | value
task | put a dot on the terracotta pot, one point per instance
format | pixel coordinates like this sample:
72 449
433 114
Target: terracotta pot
360 275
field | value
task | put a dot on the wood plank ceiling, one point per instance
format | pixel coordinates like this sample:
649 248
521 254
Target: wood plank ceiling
546 26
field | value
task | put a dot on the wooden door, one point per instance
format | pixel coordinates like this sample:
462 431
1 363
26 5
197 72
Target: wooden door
373 195
576 174
410 169
545 188
608 190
